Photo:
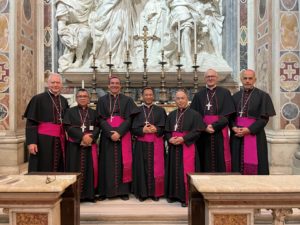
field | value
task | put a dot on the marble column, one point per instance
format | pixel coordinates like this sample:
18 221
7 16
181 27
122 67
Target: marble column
20 56
277 66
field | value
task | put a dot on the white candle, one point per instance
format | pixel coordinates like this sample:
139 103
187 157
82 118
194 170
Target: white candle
178 36
162 29
127 35
93 36
82 84
195 37
110 41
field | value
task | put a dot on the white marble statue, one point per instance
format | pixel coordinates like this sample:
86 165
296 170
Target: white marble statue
154 16
74 32
181 18
98 27
113 20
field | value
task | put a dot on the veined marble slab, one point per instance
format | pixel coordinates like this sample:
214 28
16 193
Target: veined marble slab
35 183
243 183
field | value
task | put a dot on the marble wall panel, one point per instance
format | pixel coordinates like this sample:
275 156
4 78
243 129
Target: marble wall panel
289 64
263 17
243 35
26 54
48 39
4 65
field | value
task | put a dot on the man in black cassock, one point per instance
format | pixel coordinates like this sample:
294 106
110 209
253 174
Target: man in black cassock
44 131
215 104
248 139
115 150
183 127
148 158
82 130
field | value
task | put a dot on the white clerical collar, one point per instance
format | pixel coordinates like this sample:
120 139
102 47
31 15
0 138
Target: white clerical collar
115 95
53 93
148 106
211 88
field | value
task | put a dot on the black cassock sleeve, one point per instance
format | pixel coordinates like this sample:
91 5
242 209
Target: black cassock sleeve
31 132
258 125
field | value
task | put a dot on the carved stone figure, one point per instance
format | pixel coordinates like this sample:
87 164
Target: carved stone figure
73 30
114 19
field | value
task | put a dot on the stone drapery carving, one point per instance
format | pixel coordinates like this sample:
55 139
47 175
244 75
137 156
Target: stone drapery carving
97 27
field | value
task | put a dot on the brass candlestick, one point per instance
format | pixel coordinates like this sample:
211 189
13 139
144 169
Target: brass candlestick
110 65
163 92
179 78
94 97
195 66
127 91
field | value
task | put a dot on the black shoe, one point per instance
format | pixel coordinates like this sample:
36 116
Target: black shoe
183 204
124 197
156 199
100 198
170 200
141 199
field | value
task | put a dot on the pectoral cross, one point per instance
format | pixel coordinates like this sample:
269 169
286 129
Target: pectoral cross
241 113
176 126
111 118
147 123
83 127
208 105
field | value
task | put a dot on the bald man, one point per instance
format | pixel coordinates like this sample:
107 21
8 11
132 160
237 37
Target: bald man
183 127
215 105
248 139
44 132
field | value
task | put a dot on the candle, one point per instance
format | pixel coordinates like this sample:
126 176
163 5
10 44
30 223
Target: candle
110 40
178 36
195 37
82 84
127 36
162 29
93 36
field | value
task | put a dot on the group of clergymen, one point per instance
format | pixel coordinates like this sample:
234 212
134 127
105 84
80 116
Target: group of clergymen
217 132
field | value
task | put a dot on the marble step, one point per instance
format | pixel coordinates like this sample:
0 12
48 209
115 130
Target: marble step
117 211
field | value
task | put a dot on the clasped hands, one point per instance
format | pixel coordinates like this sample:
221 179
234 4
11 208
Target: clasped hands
86 140
176 140
115 136
149 129
210 129
241 131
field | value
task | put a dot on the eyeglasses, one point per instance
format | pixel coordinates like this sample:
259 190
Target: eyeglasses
82 96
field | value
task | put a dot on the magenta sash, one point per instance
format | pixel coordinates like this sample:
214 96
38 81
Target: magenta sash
188 160
126 149
53 130
250 147
159 169
209 119
95 161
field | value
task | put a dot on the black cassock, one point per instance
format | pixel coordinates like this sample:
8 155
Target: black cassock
110 153
79 158
258 105
211 146
191 123
143 154
45 108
